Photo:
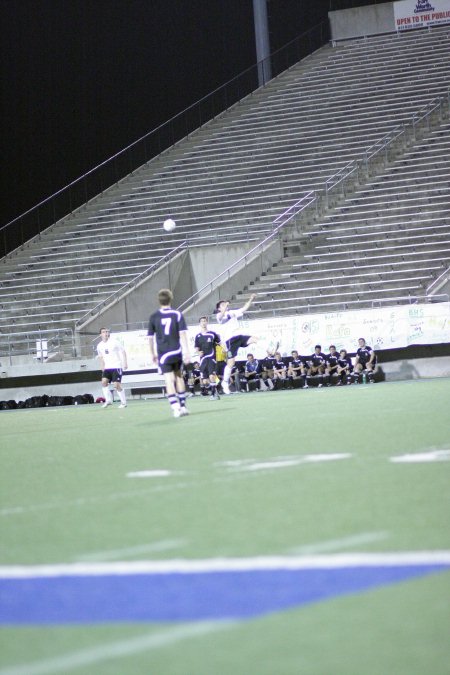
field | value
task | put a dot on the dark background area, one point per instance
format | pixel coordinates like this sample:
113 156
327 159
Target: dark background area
81 79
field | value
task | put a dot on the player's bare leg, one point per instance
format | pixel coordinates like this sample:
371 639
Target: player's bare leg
227 374
213 395
181 392
106 393
230 365
121 394
171 390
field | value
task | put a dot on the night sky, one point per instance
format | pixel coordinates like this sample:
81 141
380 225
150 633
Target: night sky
81 79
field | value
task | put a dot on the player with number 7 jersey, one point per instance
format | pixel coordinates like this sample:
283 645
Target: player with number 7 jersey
167 331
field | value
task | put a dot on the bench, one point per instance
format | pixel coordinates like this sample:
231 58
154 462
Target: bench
141 382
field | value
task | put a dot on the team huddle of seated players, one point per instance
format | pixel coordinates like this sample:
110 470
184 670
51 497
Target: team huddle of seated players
276 372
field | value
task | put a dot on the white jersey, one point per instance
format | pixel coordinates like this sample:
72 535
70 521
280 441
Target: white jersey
111 352
229 323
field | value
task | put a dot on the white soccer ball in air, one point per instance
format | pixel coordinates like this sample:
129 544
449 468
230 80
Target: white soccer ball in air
169 225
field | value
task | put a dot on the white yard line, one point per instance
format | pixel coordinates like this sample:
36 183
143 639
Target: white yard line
131 551
87 501
151 473
283 463
432 455
247 467
117 650
339 544
279 462
184 566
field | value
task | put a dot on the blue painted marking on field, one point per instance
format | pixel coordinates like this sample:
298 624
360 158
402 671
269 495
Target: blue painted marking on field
186 596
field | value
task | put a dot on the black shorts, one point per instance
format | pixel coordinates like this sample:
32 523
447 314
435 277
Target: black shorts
208 366
172 364
235 343
112 374
364 365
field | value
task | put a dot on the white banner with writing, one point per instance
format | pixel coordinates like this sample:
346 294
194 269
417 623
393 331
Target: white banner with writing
384 328
409 14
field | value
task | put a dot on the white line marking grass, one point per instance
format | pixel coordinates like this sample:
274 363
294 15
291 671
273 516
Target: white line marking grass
131 551
339 544
150 473
338 560
116 650
282 462
87 501
422 457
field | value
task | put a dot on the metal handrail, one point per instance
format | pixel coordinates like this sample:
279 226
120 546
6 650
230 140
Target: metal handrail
385 141
308 198
427 110
187 121
62 337
339 176
37 331
284 217
412 299
133 283
445 273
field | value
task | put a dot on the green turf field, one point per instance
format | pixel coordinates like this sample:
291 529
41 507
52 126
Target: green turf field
294 473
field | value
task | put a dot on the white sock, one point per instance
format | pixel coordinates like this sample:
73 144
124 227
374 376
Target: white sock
227 374
121 393
107 394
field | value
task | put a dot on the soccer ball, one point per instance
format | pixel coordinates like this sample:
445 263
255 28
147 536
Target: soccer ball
169 225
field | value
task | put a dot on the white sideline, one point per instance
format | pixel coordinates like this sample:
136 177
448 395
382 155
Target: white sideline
182 566
114 650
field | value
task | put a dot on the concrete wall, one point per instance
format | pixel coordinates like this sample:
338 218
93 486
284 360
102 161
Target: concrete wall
240 277
209 261
417 369
138 303
185 274
361 21
73 389
405 369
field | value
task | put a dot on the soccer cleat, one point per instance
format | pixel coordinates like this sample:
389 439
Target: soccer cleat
226 388
122 405
106 404
184 411
320 385
176 412
214 397
305 386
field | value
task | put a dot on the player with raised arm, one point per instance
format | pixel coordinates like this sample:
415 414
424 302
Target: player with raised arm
231 334
168 332
113 361
205 342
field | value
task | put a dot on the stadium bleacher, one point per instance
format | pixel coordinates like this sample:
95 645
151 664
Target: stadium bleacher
385 242
228 181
